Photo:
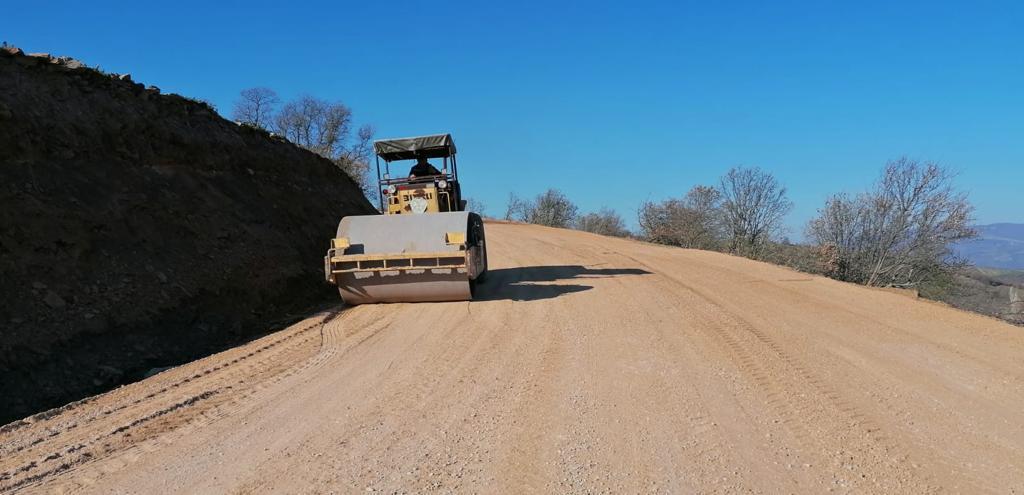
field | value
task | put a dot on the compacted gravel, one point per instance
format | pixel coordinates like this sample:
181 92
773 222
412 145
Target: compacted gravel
586 365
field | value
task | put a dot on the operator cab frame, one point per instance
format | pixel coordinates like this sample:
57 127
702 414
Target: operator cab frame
422 194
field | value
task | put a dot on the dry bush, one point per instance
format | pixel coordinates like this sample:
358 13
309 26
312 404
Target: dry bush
604 222
695 221
552 208
898 233
800 257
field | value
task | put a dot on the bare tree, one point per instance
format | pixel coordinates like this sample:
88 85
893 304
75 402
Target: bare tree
255 107
355 159
516 208
605 222
753 207
476 206
692 222
361 148
326 129
317 125
899 233
704 199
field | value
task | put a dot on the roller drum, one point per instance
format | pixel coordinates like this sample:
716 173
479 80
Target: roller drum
399 234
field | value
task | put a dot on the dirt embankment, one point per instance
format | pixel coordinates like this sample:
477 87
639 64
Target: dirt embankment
139 230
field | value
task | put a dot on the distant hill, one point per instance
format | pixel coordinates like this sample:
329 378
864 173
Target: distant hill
999 245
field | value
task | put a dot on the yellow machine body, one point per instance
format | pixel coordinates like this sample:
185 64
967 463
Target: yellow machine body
423 247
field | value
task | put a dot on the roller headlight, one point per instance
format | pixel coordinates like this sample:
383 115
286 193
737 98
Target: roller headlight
391 190
441 184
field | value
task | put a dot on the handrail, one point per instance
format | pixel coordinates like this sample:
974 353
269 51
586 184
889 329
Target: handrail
417 180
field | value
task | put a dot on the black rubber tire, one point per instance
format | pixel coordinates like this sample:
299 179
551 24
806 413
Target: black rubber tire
476 229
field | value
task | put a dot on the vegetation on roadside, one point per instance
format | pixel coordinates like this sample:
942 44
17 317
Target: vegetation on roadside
476 206
743 214
898 233
554 209
605 222
323 127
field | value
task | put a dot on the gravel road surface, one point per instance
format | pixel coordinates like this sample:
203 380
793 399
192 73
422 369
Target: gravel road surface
587 365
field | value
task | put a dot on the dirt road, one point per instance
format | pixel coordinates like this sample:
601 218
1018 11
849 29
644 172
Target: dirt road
589 365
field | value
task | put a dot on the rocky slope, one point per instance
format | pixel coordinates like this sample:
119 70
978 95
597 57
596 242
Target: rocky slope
139 230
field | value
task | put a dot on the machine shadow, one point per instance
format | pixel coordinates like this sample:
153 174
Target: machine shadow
526 283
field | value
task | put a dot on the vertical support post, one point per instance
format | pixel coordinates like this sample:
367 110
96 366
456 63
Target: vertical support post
380 191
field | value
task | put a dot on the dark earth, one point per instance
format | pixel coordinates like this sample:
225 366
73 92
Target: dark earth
141 230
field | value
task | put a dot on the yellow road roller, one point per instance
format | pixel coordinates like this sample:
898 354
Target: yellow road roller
424 246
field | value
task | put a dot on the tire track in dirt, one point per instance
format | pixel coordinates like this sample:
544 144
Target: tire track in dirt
302 358
165 408
775 372
588 365
890 423
709 450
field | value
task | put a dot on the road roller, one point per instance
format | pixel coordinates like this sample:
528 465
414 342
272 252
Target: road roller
424 246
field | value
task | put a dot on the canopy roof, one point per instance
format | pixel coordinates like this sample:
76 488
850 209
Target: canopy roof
435 146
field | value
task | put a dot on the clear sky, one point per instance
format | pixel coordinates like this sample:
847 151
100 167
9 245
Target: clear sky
613 103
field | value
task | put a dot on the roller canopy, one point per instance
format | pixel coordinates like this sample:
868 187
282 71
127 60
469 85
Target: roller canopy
435 146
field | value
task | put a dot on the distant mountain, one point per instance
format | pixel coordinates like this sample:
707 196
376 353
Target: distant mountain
999 245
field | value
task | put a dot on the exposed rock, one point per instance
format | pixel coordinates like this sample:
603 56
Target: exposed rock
73 64
110 372
154 371
54 300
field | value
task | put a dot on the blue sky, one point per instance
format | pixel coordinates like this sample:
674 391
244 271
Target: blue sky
615 102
